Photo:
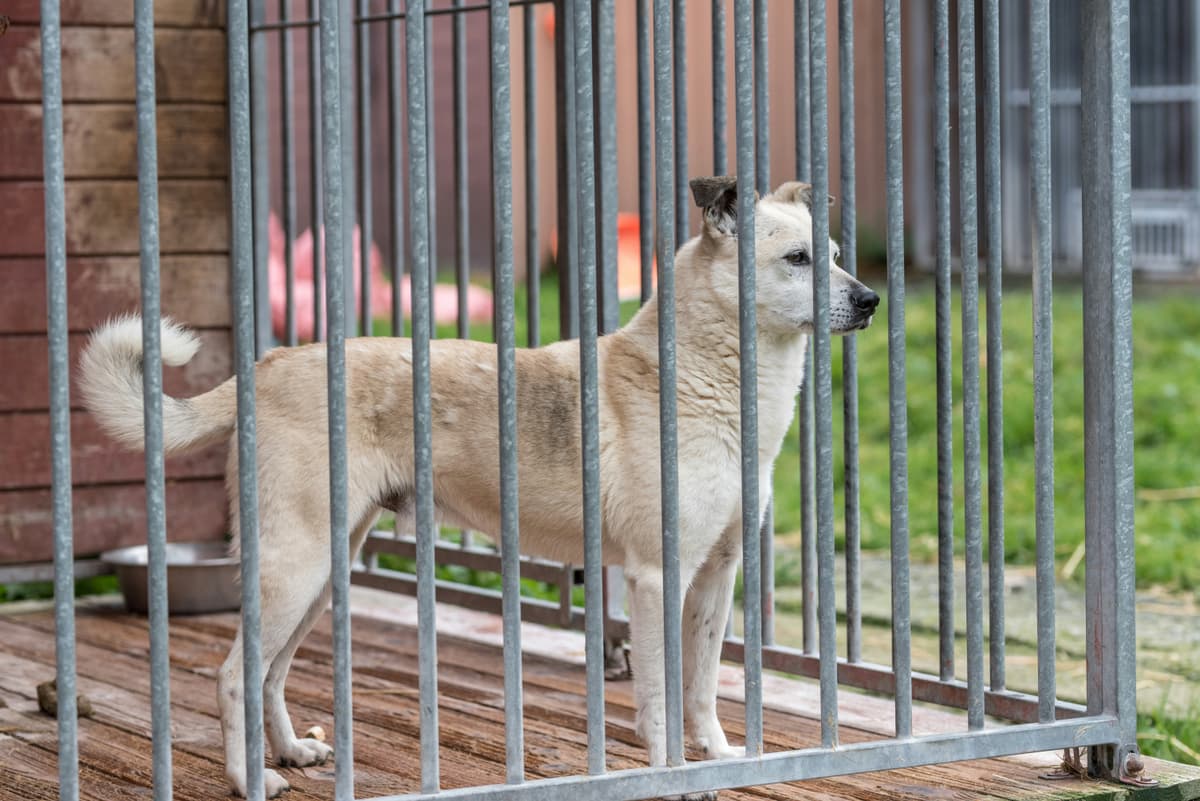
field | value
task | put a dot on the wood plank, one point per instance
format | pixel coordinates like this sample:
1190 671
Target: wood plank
110 516
100 141
95 458
102 217
98 64
194 291
192 13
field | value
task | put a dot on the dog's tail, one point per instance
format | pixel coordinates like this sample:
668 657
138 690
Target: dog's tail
110 377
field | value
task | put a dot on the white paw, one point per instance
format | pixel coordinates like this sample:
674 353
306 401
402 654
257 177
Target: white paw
274 783
718 748
710 795
302 753
730 752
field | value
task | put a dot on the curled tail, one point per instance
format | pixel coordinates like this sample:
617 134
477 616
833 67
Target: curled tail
110 377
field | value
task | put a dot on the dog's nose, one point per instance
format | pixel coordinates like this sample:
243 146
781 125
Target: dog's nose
865 300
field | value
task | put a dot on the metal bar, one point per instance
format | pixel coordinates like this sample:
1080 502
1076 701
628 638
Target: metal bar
462 209
395 169
346 53
60 400
431 144
1108 375
645 194
316 170
362 55
666 151
762 102
502 228
766 550
152 398
972 481
813 763
897 387
568 208
945 367
285 25
337 205
261 167
418 188
533 265
992 178
288 168
1043 346
849 344
719 88
245 341
605 105
800 80
823 372
390 16
581 22
748 371
679 87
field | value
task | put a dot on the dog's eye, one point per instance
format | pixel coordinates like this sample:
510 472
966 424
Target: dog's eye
798 258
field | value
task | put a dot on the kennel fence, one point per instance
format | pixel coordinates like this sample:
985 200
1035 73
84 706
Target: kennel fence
585 49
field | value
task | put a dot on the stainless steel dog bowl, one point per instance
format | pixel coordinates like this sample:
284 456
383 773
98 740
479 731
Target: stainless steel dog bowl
201 577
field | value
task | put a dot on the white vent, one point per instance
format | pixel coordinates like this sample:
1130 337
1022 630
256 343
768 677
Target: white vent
1166 230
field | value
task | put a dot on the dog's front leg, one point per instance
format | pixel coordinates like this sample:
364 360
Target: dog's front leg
644 587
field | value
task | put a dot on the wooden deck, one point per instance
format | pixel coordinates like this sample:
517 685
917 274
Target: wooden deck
115 748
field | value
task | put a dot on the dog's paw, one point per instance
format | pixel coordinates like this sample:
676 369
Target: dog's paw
302 753
275 785
720 749
709 795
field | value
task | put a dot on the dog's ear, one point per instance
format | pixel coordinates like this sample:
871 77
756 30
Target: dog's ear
796 192
718 198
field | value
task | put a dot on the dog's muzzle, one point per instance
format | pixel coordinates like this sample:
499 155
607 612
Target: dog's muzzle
864 302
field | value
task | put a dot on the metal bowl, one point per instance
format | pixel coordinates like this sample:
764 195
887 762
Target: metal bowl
201 577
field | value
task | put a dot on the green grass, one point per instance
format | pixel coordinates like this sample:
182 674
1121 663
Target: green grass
1167 737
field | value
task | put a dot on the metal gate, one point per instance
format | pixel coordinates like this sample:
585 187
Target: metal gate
585 142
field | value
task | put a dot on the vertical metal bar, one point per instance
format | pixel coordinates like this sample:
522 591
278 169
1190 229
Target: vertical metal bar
259 137
395 167
346 54
334 104
995 352
316 169
762 101
1108 372
533 265
645 195
510 556
462 209
60 400
418 189
679 87
800 79
362 55
431 144
152 398
972 481
897 385
743 48
766 550
605 67
568 193
288 155
945 367
581 23
719 81
823 370
242 257
849 344
1043 347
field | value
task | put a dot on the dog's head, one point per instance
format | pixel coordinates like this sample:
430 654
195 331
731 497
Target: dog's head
783 247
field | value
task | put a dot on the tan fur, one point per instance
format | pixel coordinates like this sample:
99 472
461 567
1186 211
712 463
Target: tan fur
293 464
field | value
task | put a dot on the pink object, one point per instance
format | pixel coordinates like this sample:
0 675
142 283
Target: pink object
479 300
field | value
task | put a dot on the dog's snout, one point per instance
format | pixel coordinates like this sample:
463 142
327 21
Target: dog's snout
864 300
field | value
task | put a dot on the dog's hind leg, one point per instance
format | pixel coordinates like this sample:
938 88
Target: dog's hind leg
230 699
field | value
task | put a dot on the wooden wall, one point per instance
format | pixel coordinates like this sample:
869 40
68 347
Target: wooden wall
99 139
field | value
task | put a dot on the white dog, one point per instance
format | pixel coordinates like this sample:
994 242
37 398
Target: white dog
293 464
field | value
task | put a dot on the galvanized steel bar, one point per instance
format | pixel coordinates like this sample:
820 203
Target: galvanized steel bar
743 51
362 56
288 169
800 65
533 265
897 383
665 153
645 184
426 527
679 86
261 167
719 89
1043 347
849 344
395 167
1108 376
502 230
945 367
60 400
152 399
346 60
762 105
462 209
337 207
593 570
995 353
972 481
605 105
245 340
431 144
316 169
568 172
823 372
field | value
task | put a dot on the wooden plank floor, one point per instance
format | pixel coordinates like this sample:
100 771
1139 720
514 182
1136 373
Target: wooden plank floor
115 748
